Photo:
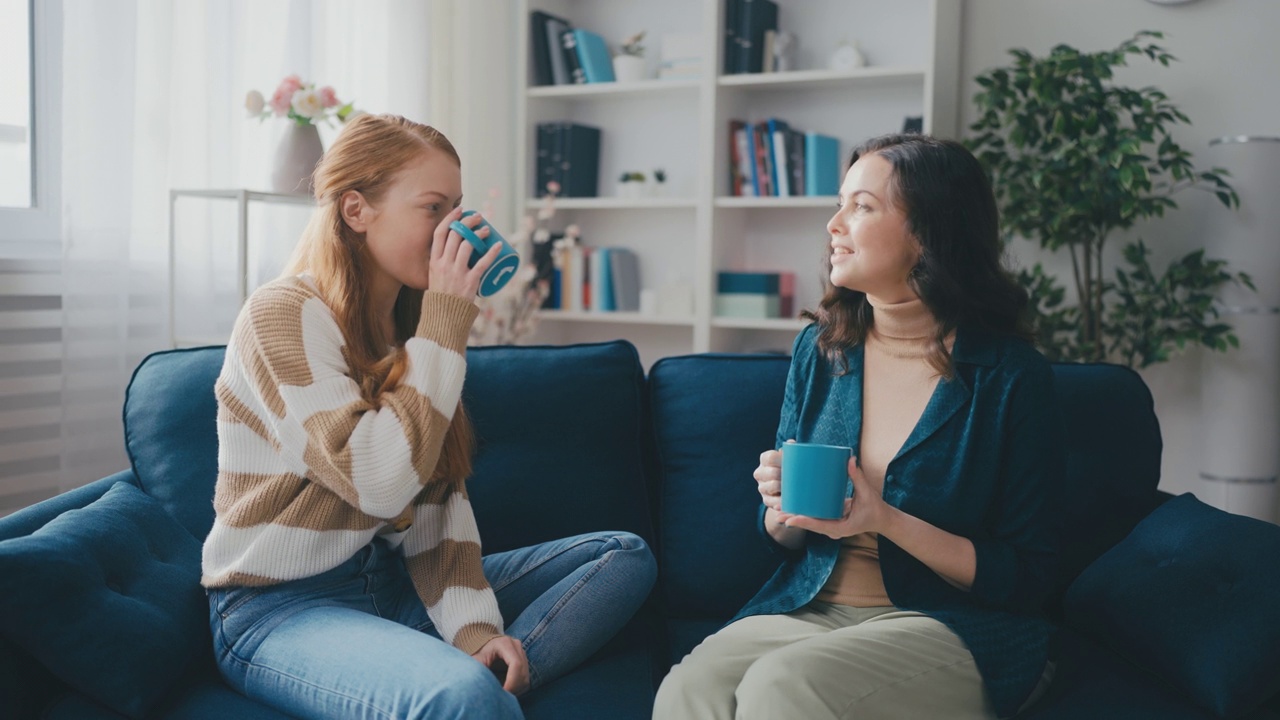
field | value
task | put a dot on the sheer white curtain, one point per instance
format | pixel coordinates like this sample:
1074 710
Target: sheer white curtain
153 100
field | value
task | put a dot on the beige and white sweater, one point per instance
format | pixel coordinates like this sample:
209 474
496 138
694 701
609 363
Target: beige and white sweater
309 471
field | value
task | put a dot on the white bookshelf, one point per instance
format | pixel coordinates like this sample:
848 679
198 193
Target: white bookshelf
698 229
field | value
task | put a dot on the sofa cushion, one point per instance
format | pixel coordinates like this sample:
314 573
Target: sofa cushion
171 432
712 417
1113 462
558 432
1192 594
1094 683
108 598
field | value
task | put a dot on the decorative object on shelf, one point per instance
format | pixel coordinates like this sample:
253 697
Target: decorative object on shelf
512 312
785 47
659 182
1239 392
846 57
300 148
1052 126
913 124
680 57
628 64
631 184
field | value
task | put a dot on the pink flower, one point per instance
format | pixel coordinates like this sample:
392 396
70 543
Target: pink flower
328 97
553 187
281 100
291 84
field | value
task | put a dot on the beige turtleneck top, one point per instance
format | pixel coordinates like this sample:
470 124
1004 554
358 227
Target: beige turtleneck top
897 382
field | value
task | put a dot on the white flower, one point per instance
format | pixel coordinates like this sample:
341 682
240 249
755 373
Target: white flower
254 103
307 103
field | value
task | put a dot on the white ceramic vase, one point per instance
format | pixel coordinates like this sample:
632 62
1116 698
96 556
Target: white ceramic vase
296 159
628 68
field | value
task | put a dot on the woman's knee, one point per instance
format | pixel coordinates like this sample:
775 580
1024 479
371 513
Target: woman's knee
472 691
685 685
631 551
770 681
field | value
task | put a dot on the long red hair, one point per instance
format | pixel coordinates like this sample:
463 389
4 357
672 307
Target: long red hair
366 157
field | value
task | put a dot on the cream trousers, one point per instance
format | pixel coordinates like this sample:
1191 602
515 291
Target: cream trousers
829 661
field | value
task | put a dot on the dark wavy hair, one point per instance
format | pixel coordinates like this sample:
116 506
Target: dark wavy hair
950 209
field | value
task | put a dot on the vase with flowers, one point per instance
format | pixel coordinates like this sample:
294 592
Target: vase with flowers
300 149
628 64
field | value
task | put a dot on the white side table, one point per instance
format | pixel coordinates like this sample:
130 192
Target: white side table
242 197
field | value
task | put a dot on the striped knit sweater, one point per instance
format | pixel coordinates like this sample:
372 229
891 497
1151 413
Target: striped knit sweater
309 471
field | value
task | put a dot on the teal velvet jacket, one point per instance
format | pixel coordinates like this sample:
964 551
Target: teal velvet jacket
984 461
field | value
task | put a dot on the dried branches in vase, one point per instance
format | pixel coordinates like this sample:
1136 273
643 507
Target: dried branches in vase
512 313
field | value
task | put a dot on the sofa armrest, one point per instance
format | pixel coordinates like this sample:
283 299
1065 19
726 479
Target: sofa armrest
30 519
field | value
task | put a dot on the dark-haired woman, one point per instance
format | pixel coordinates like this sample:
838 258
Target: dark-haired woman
923 600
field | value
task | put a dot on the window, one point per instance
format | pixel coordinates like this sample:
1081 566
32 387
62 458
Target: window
16 187
30 126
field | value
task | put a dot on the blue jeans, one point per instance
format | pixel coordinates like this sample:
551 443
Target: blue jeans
356 642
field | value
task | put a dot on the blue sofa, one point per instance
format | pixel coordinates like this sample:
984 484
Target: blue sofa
574 439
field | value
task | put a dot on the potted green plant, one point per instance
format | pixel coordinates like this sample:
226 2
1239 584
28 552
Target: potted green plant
628 64
1075 157
631 184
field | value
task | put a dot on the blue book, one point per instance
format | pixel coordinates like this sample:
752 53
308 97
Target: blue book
748 282
604 260
593 54
821 165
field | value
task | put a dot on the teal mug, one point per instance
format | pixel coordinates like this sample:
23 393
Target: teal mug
502 269
815 479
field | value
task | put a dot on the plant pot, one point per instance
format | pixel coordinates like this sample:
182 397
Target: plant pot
631 190
628 68
296 158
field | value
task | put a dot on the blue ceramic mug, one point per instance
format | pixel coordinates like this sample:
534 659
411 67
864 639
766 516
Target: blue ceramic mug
502 269
815 479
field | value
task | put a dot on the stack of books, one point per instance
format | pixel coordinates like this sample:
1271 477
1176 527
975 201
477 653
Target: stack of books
599 279
681 57
755 294
772 159
565 55
746 22
569 154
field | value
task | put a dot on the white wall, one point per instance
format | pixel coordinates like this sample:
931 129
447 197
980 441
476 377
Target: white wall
1226 81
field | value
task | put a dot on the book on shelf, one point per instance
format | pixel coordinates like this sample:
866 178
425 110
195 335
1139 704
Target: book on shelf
680 57
737 136
572 61
731 10
757 295
795 162
754 18
624 270
548 59
593 56
774 159
569 154
597 279
822 165
776 140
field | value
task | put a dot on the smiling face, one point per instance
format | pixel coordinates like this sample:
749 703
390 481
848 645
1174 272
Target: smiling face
872 250
399 227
